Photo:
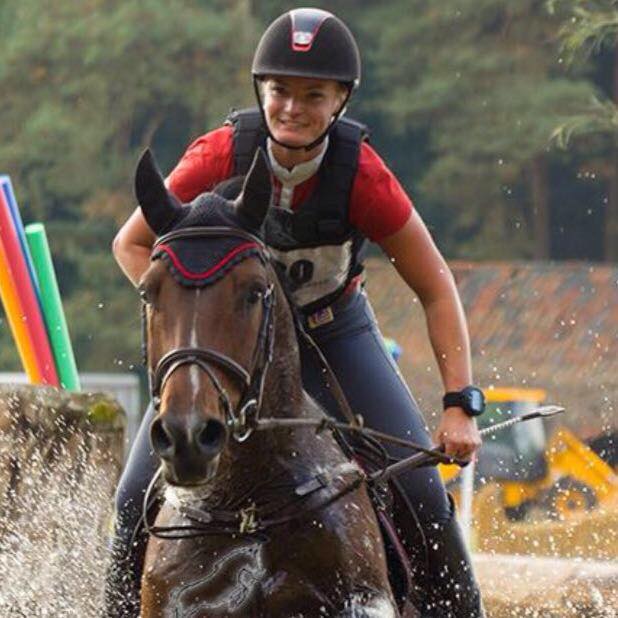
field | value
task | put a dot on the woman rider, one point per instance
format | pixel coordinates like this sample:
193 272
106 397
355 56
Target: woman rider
336 191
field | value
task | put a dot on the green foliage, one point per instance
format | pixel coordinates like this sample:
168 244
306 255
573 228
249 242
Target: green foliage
486 80
86 86
600 117
589 27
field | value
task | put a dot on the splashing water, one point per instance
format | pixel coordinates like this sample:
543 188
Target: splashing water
54 515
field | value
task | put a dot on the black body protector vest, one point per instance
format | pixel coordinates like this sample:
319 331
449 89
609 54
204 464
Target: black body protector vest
315 244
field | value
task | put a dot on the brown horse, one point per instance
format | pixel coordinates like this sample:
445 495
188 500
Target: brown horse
273 523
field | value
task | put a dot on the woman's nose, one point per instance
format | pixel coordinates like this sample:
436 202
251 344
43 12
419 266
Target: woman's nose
292 105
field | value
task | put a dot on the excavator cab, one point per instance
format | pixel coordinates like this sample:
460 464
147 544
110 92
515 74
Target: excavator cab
516 453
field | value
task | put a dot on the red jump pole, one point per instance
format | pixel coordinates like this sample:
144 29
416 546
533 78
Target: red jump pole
27 297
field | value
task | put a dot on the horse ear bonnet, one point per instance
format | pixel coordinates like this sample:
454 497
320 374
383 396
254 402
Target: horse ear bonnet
197 262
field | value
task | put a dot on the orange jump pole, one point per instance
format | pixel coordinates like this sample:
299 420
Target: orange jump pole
14 313
28 303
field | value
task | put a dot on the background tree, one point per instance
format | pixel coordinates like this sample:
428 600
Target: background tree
482 81
589 35
86 86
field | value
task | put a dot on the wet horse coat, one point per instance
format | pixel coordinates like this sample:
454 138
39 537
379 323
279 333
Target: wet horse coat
288 553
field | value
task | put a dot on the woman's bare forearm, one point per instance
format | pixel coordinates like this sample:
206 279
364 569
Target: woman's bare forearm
448 333
132 246
133 260
423 268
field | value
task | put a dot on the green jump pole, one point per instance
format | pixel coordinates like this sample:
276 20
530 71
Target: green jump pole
52 307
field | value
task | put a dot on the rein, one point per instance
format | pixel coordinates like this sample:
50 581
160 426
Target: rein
252 519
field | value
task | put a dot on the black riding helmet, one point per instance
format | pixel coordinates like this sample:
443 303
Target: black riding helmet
307 43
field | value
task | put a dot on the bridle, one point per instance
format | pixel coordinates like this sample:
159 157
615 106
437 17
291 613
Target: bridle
328 485
319 489
242 420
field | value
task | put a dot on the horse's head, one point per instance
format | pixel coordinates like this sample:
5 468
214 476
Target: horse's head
208 299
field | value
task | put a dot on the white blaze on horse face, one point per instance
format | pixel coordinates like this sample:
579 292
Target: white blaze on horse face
194 370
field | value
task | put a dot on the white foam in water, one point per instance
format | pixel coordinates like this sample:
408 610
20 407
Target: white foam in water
52 530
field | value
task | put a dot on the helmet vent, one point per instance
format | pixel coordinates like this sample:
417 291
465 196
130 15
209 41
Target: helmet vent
305 26
302 39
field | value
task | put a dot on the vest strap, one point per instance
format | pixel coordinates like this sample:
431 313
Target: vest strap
249 134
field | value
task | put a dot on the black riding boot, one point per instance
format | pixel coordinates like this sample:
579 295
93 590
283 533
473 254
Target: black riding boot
123 577
444 585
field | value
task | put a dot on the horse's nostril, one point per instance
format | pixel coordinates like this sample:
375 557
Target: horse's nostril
161 440
211 437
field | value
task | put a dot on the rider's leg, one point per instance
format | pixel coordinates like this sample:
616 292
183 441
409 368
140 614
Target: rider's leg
374 387
128 543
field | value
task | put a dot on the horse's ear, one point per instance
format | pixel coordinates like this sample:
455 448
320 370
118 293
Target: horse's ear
256 191
161 209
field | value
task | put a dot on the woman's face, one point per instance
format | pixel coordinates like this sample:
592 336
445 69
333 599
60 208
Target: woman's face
299 109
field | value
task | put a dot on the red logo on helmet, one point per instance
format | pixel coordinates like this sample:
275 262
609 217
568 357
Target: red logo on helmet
305 26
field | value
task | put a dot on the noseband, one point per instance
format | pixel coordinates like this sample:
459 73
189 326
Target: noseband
241 421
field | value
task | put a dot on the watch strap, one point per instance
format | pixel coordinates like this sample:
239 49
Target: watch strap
453 399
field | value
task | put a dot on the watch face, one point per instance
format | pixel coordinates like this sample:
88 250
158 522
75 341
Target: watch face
476 400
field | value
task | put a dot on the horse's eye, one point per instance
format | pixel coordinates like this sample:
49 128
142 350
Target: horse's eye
144 294
255 294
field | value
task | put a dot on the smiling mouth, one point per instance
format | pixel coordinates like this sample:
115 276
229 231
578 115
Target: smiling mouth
292 124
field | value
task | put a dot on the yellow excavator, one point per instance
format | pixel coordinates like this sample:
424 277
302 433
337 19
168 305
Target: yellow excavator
559 475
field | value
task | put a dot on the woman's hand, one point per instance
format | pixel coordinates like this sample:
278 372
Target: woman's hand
458 434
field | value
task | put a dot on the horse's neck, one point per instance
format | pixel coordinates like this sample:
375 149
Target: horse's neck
278 456
272 463
283 390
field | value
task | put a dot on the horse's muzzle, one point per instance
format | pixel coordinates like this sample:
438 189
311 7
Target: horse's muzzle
188 448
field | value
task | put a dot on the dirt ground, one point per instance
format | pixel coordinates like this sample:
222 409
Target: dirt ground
535 587
547 569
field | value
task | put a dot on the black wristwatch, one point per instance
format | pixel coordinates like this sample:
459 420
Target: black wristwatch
471 399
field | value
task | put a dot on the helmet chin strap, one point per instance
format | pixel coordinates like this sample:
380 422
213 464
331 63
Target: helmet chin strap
315 142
